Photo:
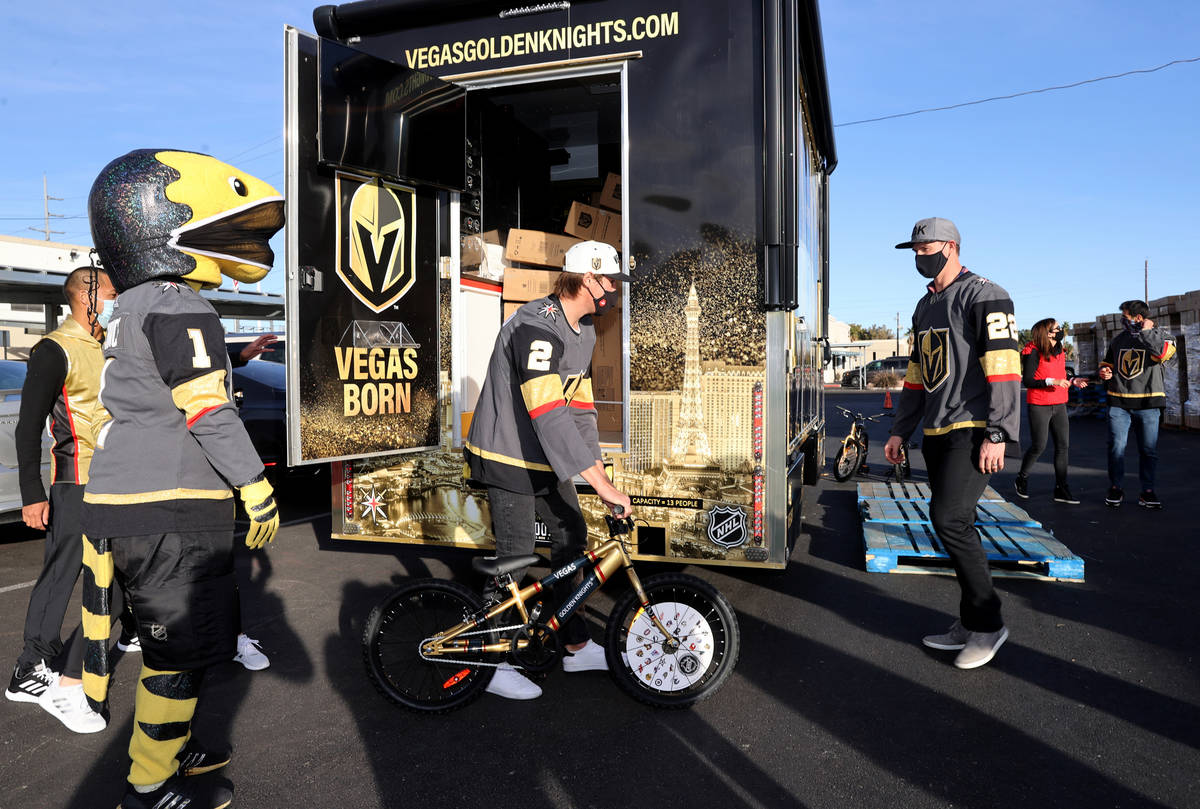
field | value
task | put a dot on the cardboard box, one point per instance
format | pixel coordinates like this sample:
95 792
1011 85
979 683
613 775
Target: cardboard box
610 195
607 360
472 251
510 307
608 420
528 285
536 247
589 222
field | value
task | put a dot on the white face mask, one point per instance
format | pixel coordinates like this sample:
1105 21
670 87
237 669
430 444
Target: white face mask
106 312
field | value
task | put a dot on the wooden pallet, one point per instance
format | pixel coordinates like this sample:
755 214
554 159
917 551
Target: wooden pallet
917 511
911 490
913 547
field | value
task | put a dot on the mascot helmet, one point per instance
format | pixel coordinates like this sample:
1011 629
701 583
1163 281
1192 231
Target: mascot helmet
158 213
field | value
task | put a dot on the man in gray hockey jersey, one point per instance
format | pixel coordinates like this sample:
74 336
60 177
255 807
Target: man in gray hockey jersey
534 430
964 381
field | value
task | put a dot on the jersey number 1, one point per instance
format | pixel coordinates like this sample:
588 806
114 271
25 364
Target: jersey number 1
200 359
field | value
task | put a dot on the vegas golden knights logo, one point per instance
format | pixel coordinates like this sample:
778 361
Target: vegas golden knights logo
1131 363
935 357
376 233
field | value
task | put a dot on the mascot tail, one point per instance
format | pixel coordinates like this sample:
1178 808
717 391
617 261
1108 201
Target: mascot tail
97 619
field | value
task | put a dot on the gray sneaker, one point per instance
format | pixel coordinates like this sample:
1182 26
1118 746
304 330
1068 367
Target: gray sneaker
956 638
980 648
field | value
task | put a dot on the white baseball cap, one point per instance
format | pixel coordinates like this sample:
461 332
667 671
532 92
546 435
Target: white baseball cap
597 258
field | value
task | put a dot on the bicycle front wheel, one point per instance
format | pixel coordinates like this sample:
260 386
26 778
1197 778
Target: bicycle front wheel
846 462
682 670
392 642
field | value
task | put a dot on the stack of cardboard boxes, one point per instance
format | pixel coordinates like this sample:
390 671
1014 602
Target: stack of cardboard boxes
547 252
1180 316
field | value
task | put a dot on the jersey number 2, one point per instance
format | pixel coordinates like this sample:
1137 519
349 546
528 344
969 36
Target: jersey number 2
1002 326
539 355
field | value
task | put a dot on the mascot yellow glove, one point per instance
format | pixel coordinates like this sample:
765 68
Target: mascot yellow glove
258 498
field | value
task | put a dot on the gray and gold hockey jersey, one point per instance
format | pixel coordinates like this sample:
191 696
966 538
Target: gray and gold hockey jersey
175 445
965 368
1136 360
535 422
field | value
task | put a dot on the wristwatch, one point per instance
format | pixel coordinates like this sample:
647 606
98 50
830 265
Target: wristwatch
996 435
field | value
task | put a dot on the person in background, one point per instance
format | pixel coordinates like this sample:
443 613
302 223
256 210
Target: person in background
61 390
1044 375
1132 371
964 382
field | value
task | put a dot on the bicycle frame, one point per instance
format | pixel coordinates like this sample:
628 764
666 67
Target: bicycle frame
603 562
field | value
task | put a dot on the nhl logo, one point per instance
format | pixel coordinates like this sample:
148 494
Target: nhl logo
727 526
158 632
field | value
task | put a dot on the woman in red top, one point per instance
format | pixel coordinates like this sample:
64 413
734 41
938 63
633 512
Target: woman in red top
1044 375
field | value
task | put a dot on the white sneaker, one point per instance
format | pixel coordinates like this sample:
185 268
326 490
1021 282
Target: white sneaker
511 684
68 705
129 645
589 658
249 654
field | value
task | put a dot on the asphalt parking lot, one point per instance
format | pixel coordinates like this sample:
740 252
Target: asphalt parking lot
1094 701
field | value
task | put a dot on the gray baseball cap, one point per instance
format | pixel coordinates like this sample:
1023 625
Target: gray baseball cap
934 229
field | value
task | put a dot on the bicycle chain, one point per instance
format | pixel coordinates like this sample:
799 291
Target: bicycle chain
421 647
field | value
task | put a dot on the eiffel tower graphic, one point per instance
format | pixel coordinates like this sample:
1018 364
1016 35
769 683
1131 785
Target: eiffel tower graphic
691 442
691 469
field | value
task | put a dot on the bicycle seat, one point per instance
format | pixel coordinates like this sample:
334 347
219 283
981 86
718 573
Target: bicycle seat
498 566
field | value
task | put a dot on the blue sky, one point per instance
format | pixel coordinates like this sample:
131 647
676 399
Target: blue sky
1060 197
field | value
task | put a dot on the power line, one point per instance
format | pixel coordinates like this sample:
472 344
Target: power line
1022 93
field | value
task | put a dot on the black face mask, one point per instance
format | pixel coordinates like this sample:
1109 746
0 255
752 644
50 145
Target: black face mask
1132 326
607 302
932 264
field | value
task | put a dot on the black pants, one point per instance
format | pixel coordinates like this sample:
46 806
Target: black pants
513 524
61 563
183 593
1050 419
955 485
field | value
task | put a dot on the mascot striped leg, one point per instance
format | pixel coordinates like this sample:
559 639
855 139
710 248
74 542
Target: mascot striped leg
97 619
162 720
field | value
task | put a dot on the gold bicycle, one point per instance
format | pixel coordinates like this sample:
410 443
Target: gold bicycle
433 645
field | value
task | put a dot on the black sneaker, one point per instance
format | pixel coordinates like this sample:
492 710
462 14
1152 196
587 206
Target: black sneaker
28 684
177 793
196 760
1021 485
1114 497
1062 494
1148 499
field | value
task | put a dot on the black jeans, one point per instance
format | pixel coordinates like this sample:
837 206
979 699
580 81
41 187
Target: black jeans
62 562
1050 419
955 485
513 524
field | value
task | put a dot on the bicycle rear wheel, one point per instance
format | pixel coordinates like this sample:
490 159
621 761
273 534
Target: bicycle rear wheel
847 461
654 671
392 640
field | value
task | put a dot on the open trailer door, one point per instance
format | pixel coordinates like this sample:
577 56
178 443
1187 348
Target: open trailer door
364 210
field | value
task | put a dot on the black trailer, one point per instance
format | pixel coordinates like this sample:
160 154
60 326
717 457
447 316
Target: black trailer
441 157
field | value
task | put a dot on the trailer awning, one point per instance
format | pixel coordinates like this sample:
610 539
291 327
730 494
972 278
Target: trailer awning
45 288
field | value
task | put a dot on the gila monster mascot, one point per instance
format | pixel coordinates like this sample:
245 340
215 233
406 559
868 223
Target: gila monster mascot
159 507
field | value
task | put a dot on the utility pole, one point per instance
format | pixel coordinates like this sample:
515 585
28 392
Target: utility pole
897 334
46 210
1146 281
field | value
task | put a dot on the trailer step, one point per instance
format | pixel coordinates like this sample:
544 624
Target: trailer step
911 490
1018 551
